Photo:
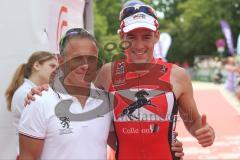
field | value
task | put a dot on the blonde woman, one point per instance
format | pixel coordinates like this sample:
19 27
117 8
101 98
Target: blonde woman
35 72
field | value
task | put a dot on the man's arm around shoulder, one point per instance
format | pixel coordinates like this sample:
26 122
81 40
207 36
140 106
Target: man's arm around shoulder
32 128
104 77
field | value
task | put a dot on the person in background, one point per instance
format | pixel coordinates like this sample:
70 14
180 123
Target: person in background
35 72
232 71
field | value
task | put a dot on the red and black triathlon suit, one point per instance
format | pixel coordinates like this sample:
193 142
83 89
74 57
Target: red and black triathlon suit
144 107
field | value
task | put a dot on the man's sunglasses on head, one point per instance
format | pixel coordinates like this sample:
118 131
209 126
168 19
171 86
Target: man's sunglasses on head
69 33
131 10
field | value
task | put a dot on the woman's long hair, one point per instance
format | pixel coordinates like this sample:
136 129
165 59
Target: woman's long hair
25 71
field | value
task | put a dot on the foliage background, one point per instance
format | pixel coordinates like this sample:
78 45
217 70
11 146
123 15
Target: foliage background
193 24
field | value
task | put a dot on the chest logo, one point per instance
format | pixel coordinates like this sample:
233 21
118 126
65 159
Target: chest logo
141 101
65 122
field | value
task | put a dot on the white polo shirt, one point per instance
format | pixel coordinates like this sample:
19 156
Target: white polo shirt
67 138
17 104
19 95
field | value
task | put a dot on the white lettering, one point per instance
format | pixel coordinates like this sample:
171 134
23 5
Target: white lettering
136 131
145 131
130 130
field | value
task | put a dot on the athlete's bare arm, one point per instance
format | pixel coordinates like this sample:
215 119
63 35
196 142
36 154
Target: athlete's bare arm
182 88
30 148
194 122
112 139
104 77
103 81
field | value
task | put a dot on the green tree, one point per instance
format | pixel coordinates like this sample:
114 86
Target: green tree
106 25
197 28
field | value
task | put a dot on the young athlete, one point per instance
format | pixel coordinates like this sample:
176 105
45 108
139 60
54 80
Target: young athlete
147 93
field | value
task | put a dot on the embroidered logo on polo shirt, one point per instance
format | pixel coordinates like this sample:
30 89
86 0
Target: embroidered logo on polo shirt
65 122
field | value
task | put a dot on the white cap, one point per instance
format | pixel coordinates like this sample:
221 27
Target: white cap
139 20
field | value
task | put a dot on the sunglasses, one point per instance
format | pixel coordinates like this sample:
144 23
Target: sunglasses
69 33
128 11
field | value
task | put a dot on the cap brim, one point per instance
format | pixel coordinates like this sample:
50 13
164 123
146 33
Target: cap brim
139 25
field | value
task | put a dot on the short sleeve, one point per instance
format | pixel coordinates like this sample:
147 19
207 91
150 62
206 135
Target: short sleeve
33 122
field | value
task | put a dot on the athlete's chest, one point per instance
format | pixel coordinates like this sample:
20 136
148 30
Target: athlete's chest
142 104
141 91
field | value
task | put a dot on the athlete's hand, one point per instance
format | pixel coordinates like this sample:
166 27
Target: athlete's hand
205 135
36 90
110 153
177 147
